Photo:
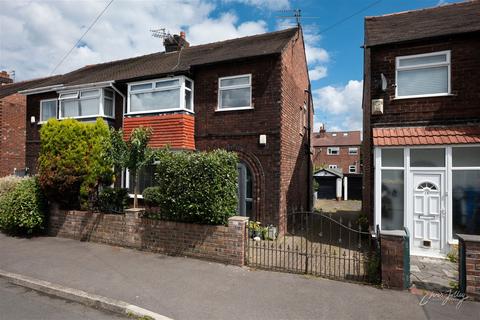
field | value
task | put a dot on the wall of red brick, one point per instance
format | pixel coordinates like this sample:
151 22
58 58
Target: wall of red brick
12 134
463 106
343 160
470 247
392 263
217 243
295 157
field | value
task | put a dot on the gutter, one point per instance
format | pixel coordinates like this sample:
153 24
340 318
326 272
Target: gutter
58 87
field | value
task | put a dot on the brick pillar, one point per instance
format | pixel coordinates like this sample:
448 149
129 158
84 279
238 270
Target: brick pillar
237 227
132 227
469 265
395 268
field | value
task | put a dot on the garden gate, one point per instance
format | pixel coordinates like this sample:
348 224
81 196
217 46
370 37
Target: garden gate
316 244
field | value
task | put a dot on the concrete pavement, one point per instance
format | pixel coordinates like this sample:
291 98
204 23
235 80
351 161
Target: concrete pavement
21 303
182 288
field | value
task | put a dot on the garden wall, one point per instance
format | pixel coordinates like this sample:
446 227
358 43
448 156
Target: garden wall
218 243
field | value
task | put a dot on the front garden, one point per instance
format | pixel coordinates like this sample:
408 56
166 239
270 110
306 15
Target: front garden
79 163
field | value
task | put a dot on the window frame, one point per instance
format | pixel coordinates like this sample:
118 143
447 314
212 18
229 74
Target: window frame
41 109
181 86
329 151
101 107
447 63
355 149
354 168
332 166
240 86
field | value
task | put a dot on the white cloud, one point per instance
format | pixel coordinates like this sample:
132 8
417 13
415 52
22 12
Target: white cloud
318 73
343 104
267 4
41 33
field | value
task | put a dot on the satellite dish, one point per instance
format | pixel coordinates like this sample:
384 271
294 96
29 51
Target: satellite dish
384 82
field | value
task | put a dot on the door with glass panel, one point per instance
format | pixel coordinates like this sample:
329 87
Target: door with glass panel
245 200
428 213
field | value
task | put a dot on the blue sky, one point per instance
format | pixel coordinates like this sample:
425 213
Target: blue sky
35 35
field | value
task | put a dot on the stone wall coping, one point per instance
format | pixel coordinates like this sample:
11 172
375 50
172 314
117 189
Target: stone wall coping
469 237
396 233
135 210
238 218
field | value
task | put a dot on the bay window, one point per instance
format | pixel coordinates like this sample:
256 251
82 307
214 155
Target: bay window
423 75
89 103
48 109
160 95
235 93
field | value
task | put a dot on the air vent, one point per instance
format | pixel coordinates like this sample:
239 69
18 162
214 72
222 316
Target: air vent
427 243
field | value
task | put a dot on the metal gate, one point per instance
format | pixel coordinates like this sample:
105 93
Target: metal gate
316 244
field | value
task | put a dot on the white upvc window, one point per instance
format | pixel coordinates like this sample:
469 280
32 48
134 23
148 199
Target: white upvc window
160 95
87 103
352 151
333 151
352 169
48 109
235 93
332 166
423 75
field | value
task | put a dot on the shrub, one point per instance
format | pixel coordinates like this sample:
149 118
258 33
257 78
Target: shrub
74 160
151 196
113 200
195 187
22 210
8 183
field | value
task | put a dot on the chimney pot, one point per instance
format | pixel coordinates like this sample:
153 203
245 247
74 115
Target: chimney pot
5 77
182 35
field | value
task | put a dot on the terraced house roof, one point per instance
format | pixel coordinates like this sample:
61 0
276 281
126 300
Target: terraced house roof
162 63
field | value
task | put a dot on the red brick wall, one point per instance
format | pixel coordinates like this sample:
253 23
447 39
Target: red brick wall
472 267
12 133
462 107
392 250
343 160
217 243
174 130
294 147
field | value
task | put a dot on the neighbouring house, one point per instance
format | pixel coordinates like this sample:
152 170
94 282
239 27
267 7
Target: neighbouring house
12 124
250 95
337 163
422 124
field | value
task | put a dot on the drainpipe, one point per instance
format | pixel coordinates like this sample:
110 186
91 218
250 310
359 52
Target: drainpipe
309 148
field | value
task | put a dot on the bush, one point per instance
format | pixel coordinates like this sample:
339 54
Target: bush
74 160
22 210
8 183
195 187
113 200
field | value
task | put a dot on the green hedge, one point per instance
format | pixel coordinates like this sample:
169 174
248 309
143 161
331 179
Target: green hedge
22 209
74 160
8 183
195 187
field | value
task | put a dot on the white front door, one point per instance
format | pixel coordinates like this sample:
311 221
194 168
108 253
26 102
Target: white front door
428 221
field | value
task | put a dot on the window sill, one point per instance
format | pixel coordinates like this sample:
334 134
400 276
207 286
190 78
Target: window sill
156 112
88 117
233 109
425 96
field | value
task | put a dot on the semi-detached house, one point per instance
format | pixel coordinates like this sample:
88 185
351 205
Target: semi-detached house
422 124
249 95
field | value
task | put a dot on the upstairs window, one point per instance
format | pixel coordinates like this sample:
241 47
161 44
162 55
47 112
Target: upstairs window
160 95
333 151
352 151
332 166
48 109
88 103
235 93
423 75
352 169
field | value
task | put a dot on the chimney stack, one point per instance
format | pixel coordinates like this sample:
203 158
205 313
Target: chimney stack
175 42
322 130
5 78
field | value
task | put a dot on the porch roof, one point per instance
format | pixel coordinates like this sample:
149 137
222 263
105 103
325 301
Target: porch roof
407 136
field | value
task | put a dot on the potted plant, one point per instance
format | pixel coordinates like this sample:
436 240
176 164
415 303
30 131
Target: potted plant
254 229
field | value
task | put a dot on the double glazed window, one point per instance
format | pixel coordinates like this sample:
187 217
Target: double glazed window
352 151
333 151
392 189
352 169
161 95
423 75
87 104
235 93
48 109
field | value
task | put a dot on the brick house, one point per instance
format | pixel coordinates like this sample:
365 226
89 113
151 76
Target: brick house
422 124
12 124
249 95
338 150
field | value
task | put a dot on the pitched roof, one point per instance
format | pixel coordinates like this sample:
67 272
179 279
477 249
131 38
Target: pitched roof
425 23
407 136
335 139
12 88
162 63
